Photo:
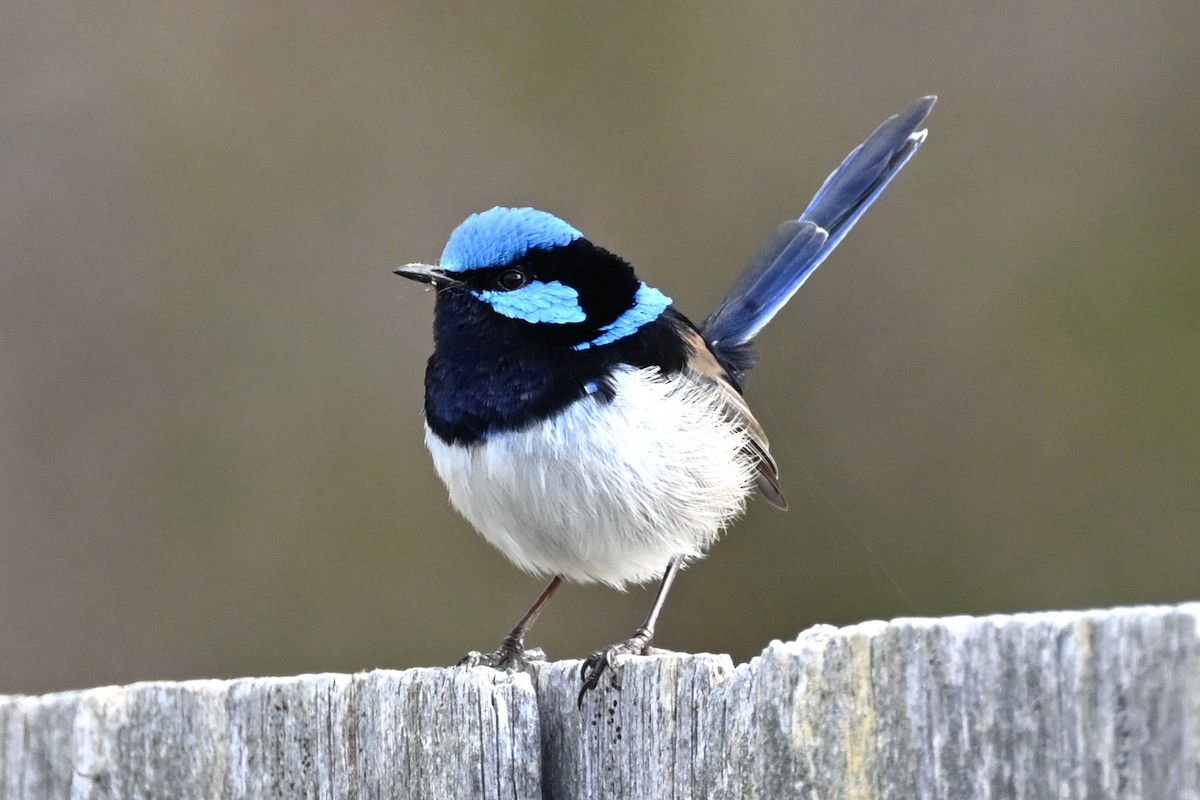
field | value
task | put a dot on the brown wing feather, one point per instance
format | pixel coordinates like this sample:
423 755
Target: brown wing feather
705 364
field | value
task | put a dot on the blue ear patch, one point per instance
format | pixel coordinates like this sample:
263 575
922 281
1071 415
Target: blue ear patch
648 305
500 236
538 302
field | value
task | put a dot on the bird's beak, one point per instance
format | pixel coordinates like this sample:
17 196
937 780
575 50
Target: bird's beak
426 273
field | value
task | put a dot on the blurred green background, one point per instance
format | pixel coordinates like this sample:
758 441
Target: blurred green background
211 458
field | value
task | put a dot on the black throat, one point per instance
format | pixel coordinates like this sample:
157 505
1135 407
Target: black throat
490 374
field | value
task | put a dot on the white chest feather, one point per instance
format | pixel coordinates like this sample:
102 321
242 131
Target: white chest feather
607 491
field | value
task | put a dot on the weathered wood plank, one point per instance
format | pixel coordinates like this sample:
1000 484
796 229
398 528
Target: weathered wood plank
417 733
1102 704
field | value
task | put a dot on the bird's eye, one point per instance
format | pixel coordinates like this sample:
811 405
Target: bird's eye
511 279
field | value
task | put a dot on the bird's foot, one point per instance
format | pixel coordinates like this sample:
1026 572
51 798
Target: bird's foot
511 655
604 660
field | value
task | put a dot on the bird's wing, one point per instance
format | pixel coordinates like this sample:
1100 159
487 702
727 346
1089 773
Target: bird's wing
799 246
705 366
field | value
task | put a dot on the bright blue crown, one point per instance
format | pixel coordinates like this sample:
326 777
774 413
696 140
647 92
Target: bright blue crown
500 236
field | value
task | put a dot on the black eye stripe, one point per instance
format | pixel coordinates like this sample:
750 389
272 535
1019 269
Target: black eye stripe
605 283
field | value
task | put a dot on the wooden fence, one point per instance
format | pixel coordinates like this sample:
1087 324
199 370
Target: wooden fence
1097 704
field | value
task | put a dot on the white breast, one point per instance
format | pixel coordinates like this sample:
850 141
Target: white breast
607 491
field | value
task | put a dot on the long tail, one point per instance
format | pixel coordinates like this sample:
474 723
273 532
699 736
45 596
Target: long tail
799 246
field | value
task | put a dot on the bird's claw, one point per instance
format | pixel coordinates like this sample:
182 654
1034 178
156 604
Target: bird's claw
604 660
510 656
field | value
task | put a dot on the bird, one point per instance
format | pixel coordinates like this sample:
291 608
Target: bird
582 424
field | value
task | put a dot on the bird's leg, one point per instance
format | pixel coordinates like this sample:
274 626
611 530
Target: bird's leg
511 654
595 664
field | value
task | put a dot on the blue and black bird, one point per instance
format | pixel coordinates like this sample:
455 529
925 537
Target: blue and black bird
589 430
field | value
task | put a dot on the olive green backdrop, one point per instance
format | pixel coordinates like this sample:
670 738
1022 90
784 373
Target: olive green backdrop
211 458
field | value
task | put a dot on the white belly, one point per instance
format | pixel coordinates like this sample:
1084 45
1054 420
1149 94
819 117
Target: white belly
606 492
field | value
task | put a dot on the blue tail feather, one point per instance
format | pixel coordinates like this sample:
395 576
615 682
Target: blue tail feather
798 247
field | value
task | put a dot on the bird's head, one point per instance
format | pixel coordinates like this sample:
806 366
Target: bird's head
527 273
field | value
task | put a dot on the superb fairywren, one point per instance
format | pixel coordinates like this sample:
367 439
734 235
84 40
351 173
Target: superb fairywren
583 425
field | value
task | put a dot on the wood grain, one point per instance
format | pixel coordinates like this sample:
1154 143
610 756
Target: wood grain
1100 704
